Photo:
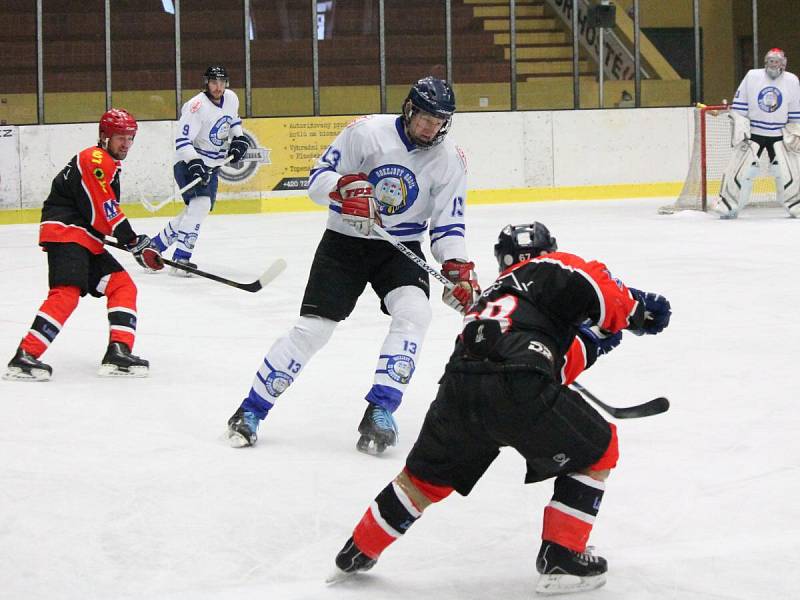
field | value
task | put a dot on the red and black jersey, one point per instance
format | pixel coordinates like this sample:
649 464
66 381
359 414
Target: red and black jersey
539 304
83 205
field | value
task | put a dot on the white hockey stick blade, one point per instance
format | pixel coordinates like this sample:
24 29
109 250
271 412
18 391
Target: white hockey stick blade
275 269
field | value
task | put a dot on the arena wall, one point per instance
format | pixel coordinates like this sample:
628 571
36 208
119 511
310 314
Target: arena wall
512 157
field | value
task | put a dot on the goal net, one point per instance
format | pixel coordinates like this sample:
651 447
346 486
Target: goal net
711 152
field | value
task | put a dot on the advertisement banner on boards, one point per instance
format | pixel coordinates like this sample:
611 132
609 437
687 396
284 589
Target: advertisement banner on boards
282 152
9 167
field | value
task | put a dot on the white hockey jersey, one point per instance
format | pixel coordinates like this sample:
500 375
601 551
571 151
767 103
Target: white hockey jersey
205 129
416 188
768 103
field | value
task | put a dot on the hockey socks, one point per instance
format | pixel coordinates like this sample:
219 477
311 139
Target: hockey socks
393 511
120 294
569 517
55 310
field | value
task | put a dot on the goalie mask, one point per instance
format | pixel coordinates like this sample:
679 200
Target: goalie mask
775 62
434 97
521 242
215 72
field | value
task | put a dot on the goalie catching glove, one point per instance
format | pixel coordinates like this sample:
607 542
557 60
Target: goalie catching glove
145 255
466 290
356 196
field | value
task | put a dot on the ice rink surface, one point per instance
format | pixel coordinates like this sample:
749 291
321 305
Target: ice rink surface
122 489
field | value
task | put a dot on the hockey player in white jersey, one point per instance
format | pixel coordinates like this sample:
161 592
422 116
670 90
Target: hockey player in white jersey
404 173
766 116
208 132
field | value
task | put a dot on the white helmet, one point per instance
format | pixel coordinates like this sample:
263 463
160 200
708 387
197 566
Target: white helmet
775 62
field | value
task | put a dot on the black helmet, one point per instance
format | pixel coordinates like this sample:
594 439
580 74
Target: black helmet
215 72
520 242
433 96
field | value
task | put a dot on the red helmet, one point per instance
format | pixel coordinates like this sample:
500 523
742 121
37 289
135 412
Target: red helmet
117 121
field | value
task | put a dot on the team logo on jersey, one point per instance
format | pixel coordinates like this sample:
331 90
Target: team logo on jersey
110 209
277 382
396 188
770 99
220 131
400 368
195 106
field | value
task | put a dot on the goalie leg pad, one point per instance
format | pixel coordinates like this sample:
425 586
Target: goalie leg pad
786 171
737 181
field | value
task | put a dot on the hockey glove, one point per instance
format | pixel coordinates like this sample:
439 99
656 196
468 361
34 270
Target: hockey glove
145 255
239 147
598 341
197 168
357 198
657 312
791 137
466 290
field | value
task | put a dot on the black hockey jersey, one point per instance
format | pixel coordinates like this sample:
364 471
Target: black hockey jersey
538 305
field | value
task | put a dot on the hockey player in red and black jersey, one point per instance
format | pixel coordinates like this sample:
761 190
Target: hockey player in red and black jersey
547 317
82 208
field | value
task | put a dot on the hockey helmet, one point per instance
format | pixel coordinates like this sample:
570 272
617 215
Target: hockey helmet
520 242
117 121
215 72
775 62
435 97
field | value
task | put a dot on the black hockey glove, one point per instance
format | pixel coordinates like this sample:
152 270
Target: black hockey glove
657 312
239 147
145 255
197 168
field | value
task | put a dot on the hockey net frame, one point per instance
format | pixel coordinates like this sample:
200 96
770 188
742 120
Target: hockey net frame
711 151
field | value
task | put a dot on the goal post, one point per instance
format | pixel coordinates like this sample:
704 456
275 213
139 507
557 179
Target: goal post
711 152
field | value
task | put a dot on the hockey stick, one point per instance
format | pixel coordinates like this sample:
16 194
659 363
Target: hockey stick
156 207
651 407
275 269
413 257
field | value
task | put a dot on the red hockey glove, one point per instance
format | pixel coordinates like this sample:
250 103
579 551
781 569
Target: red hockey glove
145 255
357 198
466 290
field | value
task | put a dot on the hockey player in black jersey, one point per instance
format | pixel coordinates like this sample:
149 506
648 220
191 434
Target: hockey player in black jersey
547 317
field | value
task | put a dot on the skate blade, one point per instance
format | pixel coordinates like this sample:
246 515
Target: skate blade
115 371
337 576
369 446
17 374
237 440
179 273
551 585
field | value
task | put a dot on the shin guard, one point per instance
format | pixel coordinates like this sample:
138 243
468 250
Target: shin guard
55 310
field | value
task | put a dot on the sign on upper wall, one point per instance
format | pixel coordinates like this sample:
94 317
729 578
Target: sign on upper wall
9 168
282 152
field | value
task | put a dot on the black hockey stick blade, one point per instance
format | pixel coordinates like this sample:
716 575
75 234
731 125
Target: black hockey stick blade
656 406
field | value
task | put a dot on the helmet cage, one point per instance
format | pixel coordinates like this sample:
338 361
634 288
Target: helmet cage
775 62
520 242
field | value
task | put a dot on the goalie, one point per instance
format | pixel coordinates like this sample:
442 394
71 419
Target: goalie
766 116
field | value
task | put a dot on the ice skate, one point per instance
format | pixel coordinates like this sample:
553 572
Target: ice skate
242 428
378 430
564 571
180 272
350 561
119 362
25 367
